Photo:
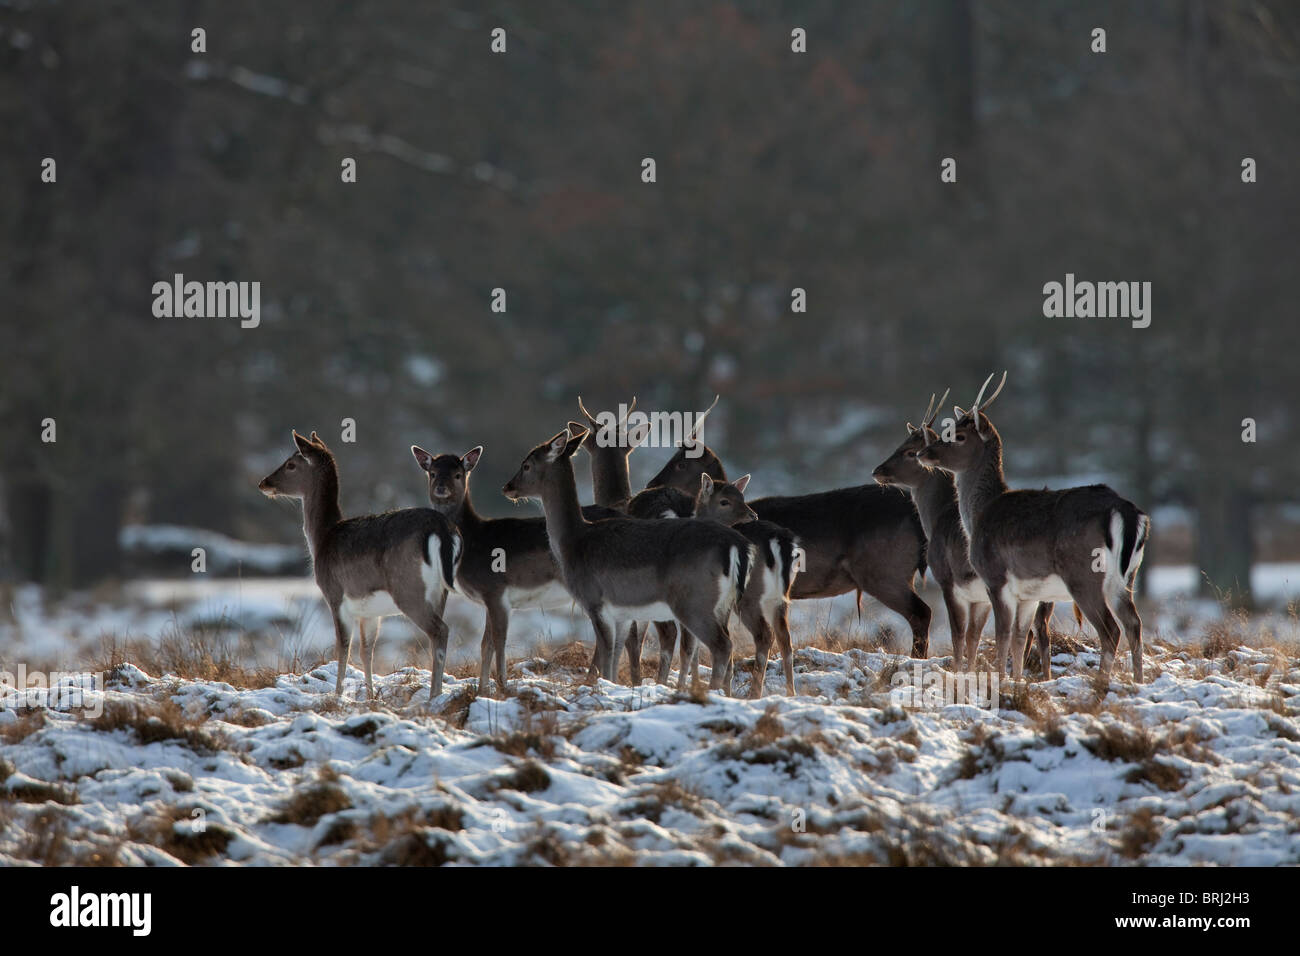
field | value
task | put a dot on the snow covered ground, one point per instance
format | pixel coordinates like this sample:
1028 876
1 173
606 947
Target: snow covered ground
1199 765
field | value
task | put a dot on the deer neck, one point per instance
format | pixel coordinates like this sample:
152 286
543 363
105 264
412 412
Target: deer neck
610 484
979 485
933 497
461 515
320 507
564 521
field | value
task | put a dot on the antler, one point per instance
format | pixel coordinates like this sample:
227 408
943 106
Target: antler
980 404
583 408
631 408
699 422
932 414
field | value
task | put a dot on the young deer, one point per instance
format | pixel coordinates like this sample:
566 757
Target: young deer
764 608
507 562
1082 544
623 569
864 538
935 496
370 567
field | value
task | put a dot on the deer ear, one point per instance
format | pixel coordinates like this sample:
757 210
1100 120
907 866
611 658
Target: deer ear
637 434
303 445
556 444
422 457
471 457
958 412
574 442
741 483
576 427
315 440
706 484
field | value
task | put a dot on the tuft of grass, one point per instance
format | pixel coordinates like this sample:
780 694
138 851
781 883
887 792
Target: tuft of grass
173 830
28 723
38 791
309 804
156 722
1140 833
203 650
528 777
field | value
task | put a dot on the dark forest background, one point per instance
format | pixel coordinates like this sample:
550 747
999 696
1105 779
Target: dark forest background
522 171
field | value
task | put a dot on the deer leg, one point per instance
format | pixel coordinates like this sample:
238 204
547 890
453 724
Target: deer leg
957 613
1128 616
486 651
1093 604
666 631
342 647
500 630
635 635
1019 637
1043 633
763 635
604 643
1004 622
979 615
689 669
367 658
901 598
781 624
715 637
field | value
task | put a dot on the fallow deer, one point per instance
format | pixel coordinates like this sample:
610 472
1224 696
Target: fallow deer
863 538
1082 544
624 569
507 562
935 496
370 567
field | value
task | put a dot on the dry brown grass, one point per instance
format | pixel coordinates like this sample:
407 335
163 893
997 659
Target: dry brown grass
1139 834
175 831
308 804
199 652
527 777
153 721
28 723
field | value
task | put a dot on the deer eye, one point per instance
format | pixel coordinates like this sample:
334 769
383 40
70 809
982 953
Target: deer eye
910 454
726 504
961 437
527 467
290 467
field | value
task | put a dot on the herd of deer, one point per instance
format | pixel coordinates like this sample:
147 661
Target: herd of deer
991 549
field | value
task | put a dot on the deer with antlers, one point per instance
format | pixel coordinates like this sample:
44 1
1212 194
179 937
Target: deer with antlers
947 550
1083 544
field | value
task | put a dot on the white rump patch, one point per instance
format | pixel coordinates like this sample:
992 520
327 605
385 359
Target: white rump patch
431 570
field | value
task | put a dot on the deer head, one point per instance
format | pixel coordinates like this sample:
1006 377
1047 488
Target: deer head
541 463
448 475
301 472
723 501
972 434
904 466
